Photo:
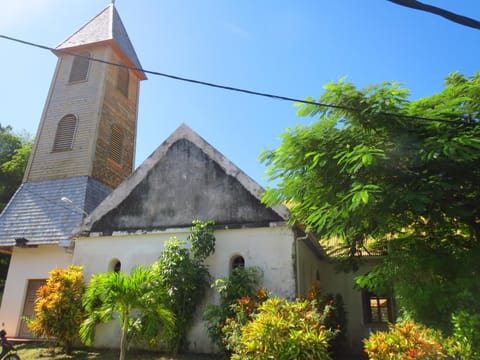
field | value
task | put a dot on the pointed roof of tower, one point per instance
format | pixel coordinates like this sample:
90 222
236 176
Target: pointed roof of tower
105 27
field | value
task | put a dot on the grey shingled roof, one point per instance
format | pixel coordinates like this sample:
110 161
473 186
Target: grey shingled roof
106 26
37 213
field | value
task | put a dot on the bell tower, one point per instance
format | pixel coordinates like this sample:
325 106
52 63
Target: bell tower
84 148
88 126
85 143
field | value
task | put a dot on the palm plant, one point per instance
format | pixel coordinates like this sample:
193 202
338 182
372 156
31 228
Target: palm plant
137 300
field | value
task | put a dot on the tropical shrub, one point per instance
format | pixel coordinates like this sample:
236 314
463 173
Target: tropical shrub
185 277
243 311
465 342
336 317
139 303
284 330
243 282
58 308
405 341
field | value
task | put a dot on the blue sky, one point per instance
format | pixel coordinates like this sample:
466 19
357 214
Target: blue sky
281 47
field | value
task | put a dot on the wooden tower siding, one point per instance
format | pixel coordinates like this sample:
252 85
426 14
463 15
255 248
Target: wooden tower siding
97 103
120 111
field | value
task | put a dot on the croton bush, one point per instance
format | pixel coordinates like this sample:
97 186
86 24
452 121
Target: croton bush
405 341
282 330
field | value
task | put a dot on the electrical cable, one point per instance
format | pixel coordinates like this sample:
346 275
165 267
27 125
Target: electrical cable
230 88
459 19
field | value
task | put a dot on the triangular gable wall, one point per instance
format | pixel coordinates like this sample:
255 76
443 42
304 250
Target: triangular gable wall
184 179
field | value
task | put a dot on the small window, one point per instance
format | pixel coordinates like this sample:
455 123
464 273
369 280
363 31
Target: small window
115 265
79 68
122 80
238 262
116 144
66 129
378 308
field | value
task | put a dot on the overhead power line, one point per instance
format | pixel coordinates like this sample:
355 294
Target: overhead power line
225 87
460 19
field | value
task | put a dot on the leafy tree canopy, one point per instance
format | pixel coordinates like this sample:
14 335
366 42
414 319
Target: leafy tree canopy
14 152
372 173
182 272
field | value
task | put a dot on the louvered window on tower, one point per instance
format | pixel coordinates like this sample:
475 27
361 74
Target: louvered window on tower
79 68
116 144
122 80
66 129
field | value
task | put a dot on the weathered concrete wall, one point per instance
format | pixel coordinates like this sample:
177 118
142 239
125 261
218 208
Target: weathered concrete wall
270 249
184 185
27 264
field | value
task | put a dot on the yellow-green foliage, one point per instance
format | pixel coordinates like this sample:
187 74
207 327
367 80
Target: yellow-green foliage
58 308
405 341
284 330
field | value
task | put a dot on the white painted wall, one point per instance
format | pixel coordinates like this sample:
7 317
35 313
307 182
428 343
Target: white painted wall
25 264
271 249
344 284
308 267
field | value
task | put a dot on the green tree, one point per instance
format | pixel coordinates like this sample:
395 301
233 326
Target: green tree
14 152
139 303
183 273
58 308
374 173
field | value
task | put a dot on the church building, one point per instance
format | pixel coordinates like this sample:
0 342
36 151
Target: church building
82 203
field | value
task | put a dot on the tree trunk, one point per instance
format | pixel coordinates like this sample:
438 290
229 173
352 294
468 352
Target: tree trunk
123 339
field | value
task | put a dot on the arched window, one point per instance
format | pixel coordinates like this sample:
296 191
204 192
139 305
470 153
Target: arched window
66 128
80 66
122 80
115 265
116 144
237 262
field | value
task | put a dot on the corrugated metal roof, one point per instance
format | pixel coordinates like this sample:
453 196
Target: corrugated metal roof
37 213
106 26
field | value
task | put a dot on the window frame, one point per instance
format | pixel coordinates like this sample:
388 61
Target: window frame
115 265
79 70
237 261
65 133
117 141
123 80
374 315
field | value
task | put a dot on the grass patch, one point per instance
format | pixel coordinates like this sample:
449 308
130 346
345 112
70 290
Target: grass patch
39 350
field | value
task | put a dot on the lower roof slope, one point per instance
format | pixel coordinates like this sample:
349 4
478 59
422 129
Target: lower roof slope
37 213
